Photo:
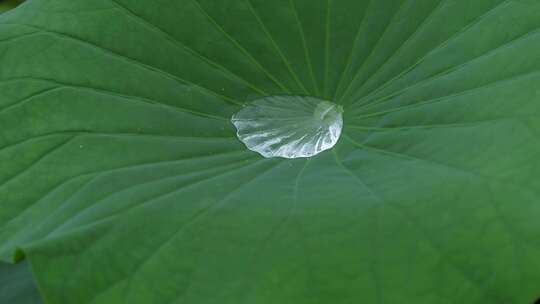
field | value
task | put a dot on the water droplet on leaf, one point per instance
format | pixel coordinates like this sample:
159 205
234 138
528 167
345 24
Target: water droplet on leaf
289 126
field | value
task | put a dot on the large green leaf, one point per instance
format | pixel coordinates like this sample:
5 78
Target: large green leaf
122 181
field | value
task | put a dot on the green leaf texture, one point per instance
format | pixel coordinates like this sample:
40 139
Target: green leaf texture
122 180
17 285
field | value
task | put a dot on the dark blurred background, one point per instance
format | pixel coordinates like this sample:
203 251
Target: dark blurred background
6 5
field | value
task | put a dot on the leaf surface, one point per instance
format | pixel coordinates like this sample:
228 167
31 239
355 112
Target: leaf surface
122 180
17 285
